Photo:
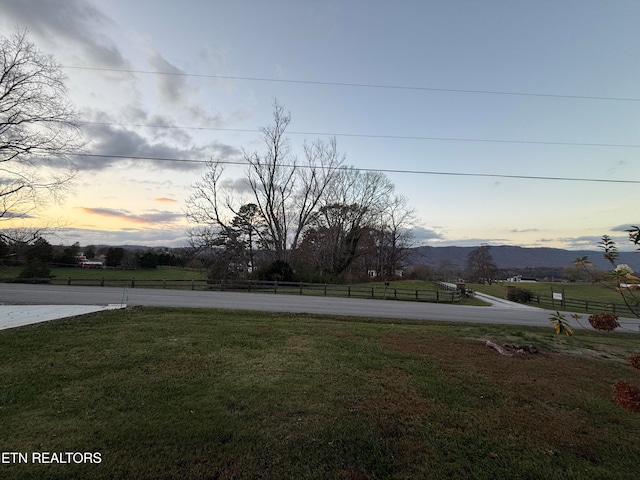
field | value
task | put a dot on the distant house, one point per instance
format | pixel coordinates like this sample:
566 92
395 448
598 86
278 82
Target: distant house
520 278
398 273
81 261
90 264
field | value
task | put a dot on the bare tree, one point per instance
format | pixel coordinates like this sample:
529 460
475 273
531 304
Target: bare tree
37 129
480 265
285 191
353 207
394 236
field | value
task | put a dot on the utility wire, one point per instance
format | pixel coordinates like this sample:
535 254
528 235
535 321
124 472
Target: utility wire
364 135
355 85
381 170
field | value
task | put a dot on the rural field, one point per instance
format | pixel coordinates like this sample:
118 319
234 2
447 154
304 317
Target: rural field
195 393
179 277
60 274
580 292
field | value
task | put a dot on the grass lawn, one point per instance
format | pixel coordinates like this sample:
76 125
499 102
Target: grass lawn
195 393
160 273
578 292
582 291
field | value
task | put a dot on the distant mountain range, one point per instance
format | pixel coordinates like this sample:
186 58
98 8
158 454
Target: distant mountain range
509 257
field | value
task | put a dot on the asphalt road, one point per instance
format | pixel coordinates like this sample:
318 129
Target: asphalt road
77 295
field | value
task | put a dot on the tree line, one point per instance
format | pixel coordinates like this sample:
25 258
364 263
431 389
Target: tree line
37 256
311 218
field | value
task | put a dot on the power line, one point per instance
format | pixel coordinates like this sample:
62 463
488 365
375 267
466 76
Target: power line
381 170
356 85
363 135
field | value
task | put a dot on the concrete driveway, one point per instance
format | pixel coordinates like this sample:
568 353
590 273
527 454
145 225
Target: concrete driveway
12 316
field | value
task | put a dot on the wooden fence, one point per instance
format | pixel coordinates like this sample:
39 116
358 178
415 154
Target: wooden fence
589 306
289 288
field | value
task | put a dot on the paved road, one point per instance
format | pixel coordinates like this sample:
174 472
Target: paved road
66 295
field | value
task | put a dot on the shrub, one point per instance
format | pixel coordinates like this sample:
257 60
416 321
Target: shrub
627 396
35 269
604 321
278 271
520 295
634 361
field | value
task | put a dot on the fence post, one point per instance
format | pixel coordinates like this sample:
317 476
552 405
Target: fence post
349 291
102 282
300 288
133 282
437 296
164 283
325 289
371 292
275 287
395 293
193 284
416 294
68 280
249 286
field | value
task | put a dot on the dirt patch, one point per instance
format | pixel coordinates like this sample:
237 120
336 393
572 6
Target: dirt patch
539 393
297 343
540 377
511 349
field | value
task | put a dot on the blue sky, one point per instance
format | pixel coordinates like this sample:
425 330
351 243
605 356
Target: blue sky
504 88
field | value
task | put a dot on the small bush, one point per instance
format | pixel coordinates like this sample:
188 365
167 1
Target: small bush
520 295
277 271
627 396
35 269
634 361
604 321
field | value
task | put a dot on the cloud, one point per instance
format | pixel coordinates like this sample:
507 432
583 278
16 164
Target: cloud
76 21
422 235
174 88
154 217
236 185
119 144
526 230
472 242
165 200
15 215
624 227
164 237
588 242
172 84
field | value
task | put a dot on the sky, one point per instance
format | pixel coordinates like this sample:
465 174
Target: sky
504 122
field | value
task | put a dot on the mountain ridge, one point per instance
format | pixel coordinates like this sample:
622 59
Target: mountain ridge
510 257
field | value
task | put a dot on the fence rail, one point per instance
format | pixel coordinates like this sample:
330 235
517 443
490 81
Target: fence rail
290 288
589 306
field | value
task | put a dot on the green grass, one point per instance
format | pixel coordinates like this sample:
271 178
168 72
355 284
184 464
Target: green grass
582 291
576 295
169 273
188 393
